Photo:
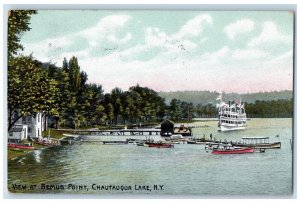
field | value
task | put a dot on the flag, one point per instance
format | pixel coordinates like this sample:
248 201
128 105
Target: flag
219 97
239 103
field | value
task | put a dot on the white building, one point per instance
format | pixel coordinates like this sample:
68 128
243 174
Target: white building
17 133
35 125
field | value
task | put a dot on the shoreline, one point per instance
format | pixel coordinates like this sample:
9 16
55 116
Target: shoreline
12 156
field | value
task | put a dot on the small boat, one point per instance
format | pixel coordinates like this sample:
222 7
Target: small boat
20 146
134 141
232 150
191 141
41 143
257 143
199 141
160 145
115 142
182 130
140 144
212 145
178 137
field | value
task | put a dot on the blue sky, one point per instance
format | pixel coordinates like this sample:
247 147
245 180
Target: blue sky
227 51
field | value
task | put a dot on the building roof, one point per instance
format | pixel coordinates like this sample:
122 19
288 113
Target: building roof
18 129
167 121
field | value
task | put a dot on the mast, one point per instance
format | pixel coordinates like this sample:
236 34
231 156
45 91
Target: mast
188 115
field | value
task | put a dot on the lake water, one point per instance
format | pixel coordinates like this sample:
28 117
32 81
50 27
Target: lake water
185 170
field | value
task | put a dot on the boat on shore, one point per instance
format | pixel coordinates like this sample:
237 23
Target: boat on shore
20 146
182 130
232 116
257 143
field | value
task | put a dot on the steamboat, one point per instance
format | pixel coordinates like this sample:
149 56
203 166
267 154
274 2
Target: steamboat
232 116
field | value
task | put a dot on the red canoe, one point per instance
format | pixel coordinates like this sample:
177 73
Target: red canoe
18 146
233 151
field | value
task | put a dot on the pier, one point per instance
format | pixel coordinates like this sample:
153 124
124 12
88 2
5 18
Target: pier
115 132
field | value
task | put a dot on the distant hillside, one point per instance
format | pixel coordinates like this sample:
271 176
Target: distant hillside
206 97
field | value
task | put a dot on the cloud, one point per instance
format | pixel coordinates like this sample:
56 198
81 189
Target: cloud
112 38
270 34
156 38
48 48
106 29
157 42
156 53
248 54
221 53
193 27
239 27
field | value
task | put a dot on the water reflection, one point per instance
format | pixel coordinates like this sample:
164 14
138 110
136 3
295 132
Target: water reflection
186 169
36 154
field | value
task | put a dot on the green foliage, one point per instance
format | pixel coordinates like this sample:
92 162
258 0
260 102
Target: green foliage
18 23
206 97
30 89
63 93
263 109
56 134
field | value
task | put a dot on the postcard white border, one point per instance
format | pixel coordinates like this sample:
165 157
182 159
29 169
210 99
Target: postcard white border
180 5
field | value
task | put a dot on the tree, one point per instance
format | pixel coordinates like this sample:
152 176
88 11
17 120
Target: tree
18 23
30 90
94 110
116 99
65 99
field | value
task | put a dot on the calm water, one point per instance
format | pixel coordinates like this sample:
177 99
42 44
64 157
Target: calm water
183 170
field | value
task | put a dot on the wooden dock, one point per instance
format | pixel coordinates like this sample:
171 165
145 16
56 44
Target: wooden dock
115 132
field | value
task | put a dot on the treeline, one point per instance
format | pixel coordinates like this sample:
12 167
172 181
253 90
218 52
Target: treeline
270 109
207 97
64 94
181 110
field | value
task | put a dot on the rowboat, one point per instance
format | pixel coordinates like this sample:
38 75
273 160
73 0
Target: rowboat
159 144
114 142
19 146
233 151
257 143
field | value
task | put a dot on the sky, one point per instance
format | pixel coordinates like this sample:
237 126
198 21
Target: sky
230 51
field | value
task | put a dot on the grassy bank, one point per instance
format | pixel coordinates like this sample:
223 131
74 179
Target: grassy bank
14 153
56 134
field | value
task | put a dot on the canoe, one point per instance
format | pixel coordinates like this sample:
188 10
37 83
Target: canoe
275 145
233 151
19 146
159 145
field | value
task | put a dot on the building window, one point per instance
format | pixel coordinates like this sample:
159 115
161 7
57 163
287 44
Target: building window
10 134
38 117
